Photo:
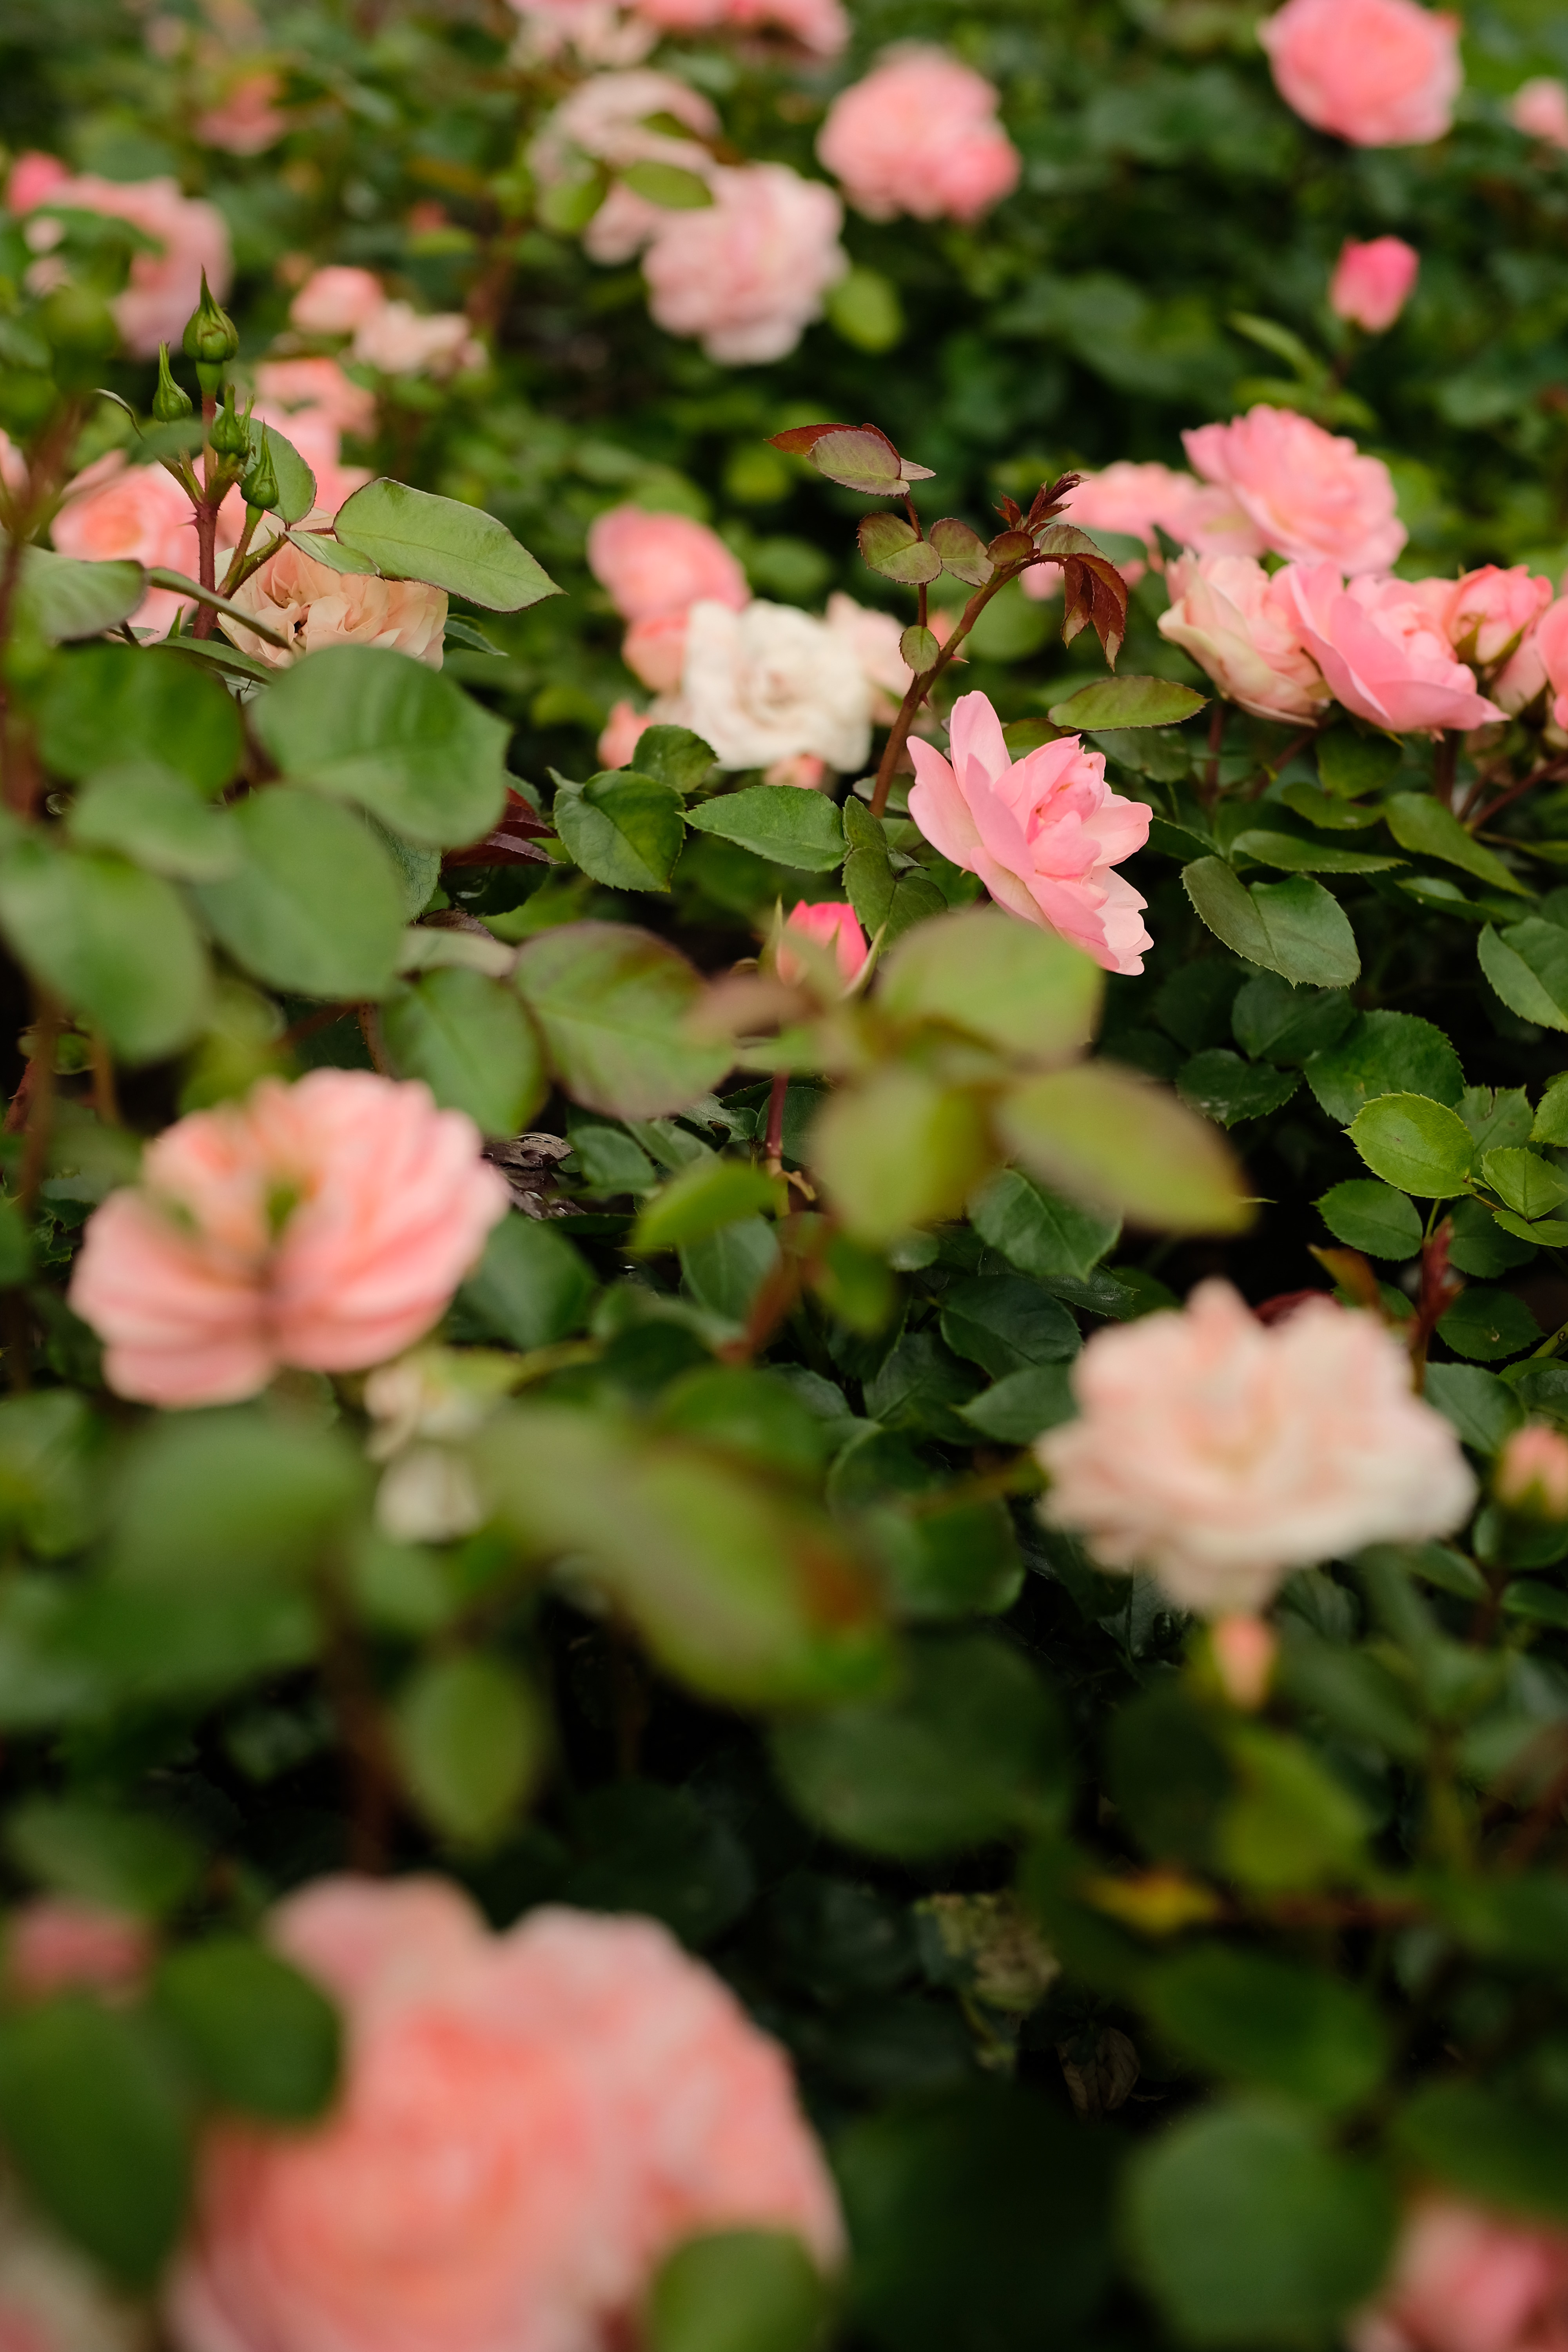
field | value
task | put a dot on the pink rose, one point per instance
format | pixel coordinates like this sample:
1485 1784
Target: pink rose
1132 498
655 566
1310 494
1238 624
607 118
54 1941
246 122
1220 1452
203 1281
1383 650
34 178
321 384
831 926
655 651
920 135
1490 611
1042 833
1372 283
336 300
139 514
1538 107
624 731
1539 666
1381 73
1532 1472
314 607
164 286
818 25
747 274
1468 2281
400 340
529 2122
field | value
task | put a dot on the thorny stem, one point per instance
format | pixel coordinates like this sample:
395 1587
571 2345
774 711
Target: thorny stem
919 689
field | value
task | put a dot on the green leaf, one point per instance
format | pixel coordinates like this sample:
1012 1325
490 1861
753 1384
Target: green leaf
1038 1232
1535 1602
918 648
322 549
1222 1086
756 1414
1292 1822
703 1196
1015 1410
1423 824
531 1288
1107 1137
295 482
779 822
890 545
99 1854
900 1151
612 1003
1416 1145
969 1749
471 1740
1372 1217
1020 988
1528 966
1254 2018
108 704
1321 808
1483 1409
60 598
962 549
1295 928
863 307
1297 855
410 535
956 1562
1528 1184
151 814
624 829
668 186
735 2291
1127 702
1250 2231
883 901
264 2037
1351 764
723 1270
674 755
233 1496
116 944
317 906
473 1044
1551 1122
1488 1324
375 727
1273 1023
1385 1054
1003 1322
1489 2146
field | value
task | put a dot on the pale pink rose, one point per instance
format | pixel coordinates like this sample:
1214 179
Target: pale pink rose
1539 666
1538 107
1132 498
318 384
1380 73
624 731
1383 650
34 177
818 25
1310 494
1238 624
1042 833
920 135
1220 1452
317 441
1490 611
164 286
400 341
607 117
1467 2281
599 32
245 123
1532 1472
529 2122
336 300
205 1281
1372 282
314 607
54 1941
654 567
114 511
748 273
655 651
772 682
831 926
623 225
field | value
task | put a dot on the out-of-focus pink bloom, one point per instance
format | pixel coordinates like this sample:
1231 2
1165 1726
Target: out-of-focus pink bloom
1311 494
401 341
314 607
324 1224
817 24
164 286
607 118
247 122
624 731
139 514
1468 2281
654 567
34 177
529 2123
13 465
599 32
1220 1452
336 300
655 651
1538 107
772 682
1132 498
1539 666
1240 626
829 925
1372 282
54 1941
1532 1472
318 384
1382 650
749 272
920 135
1042 833
803 772
1380 73
1490 611
1245 1649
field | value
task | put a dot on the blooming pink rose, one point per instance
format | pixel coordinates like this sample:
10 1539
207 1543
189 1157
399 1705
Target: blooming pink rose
529 2122
324 1224
1538 107
1539 666
400 341
139 514
1372 283
1468 2281
54 1941
1383 650
163 286
655 566
1042 833
747 273
1381 73
1532 1472
336 300
1490 611
33 180
314 607
607 117
818 25
1132 498
829 925
920 135
624 731
1238 624
247 122
1220 1452
1310 494
318 384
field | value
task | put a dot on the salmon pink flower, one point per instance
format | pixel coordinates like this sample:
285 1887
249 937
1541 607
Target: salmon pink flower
1539 667
1238 624
828 924
1491 610
1532 1472
1042 833
655 565
336 300
1468 2281
400 341
314 607
920 135
1372 283
747 274
1538 107
55 1941
1312 495
246 121
316 385
33 179
1384 649
139 514
1379 73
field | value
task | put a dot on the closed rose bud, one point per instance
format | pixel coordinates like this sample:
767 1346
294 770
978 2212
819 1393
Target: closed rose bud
211 339
1532 1473
1372 283
230 434
258 488
170 402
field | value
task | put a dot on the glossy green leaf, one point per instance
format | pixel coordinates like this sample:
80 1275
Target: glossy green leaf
902 1151
1416 1144
1272 2022
1351 764
108 704
613 1005
115 944
624 829
1003 1322
779 822
883 900
101 1855
1420 823
471 1739
1273 1022
60 598
1222 1086
295 482
151 814
1489 1325
1385 1054
1039 1232
1294 853
264 2037
317 906
322 548
700 1199
1127 702
1366 1215
1295 928
1528 966
736 2291
1483 1409
1525 1182
1107 1137
1022 989
411 535
673 755
473 1044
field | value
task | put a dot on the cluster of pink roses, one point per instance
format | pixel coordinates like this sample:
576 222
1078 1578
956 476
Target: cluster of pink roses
164 286
386 334
622 32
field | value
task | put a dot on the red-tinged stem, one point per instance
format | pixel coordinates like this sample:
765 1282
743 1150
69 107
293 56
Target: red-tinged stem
919 689
1550 772
1445 761
207 505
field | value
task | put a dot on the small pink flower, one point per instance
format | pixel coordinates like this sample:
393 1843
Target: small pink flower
1492 609
599 32
1379 73
624 731
336 300
747 274
165 286
829 925
246 122
314 607
656 566
820 25
1467 2281
1532 1472
1238 624
400 341
321 384
33 180
920 135
54 1941
655 651
1042 833
1372 283
1384 651
139 514
1539 667
1132 498
324 1224
1220 1452
1310 494
1539 108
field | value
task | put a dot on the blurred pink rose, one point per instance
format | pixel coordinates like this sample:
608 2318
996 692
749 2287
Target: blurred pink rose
1539 666
529 2122
1220 1452
336 300
818 25
138 513
1042 833
163 288
1238 624
324 1224
400 341
318 384
624 731
655 566
34 177
607 117
1532 1472
1372 283
1132 498
599 32
829 925
803 772
314 607
1538 107
771 683
920 135
1380 73
1468 2281
748 273
1383 650
655 651
1490 611
247 122
1310 494
54 1941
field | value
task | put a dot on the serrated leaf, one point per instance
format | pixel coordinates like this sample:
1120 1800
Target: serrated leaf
1106 1136
470 1040
1416 1145
919 649
1224 1088
1372 1217
962 552
1525 1183
1420 823
1127 702
1528 966
624 829
611 1003
1295 928
1296 854
780 822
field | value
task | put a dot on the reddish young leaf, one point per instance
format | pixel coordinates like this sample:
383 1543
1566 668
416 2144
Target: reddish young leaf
1010 546
1011 512
1095 594
1048 500
515 837
962 552
858 457
802 439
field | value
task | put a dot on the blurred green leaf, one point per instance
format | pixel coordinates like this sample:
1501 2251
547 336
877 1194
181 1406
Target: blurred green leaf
473 1044
410 535
115 943
124 1862
1271 2023
59 598
901 1150
1019 988
531 1286
612 1003
264 2037
702 1196
1109 1138
317 906
108 704
472 1737
154 816
736 2291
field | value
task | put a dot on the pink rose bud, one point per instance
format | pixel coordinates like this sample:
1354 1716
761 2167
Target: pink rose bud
624 729
1467 2281
1309 494
1372 283
1492 609
1539 108
829 924
336 300
54 1941
1243 1650
656 566
1380 73
920 135
1531 1475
